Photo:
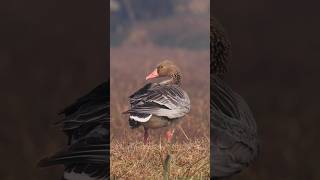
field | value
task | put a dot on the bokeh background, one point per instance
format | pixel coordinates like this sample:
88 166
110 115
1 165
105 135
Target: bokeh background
275 67
51 53
144 33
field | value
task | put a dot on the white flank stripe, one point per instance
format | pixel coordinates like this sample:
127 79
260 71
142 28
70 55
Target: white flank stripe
136 118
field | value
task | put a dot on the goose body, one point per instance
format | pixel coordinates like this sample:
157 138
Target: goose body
158 105
86 123
234 137
164 102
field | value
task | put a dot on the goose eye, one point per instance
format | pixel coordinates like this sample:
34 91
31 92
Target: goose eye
160 67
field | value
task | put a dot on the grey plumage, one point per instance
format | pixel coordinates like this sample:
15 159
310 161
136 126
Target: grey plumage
234 137
86 123
160 100
234 132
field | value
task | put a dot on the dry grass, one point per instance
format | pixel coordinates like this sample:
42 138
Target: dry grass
190 160
129 157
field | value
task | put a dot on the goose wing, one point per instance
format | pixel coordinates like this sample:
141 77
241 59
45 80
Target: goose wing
84 158
234 141
86 124
86 113
161 100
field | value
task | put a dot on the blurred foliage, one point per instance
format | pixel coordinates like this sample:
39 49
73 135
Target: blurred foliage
164 22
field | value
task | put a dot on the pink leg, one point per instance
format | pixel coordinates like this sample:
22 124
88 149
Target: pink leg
146 135
169 135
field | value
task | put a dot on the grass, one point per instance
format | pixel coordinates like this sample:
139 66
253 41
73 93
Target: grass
188 160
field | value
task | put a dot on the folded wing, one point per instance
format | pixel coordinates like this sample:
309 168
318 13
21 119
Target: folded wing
161 100
234 138
86 123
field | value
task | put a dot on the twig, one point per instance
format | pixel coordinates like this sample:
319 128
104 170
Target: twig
183 132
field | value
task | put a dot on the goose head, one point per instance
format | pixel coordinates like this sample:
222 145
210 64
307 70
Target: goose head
166 69
220 49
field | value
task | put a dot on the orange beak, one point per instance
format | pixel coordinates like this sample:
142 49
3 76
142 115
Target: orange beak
154 74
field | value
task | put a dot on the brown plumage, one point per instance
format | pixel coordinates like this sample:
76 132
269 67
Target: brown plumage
220 49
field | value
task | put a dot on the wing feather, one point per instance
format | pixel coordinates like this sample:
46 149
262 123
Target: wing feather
86 124
234 141
160 100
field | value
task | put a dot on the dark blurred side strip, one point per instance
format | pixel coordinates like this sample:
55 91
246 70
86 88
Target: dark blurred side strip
233 136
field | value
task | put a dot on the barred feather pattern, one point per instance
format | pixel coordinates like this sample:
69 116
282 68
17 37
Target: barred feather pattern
161 100
86 123
234 140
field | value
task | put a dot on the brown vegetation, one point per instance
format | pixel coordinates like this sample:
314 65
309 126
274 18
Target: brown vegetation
134 159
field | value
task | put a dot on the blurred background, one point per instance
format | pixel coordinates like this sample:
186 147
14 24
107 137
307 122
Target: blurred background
144 33
275 67
51 53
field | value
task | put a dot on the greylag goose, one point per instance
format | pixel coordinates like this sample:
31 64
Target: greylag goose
86 123
234 142
161 104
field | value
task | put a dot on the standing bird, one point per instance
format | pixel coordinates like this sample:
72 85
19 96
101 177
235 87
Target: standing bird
234 137
86 123
161 104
